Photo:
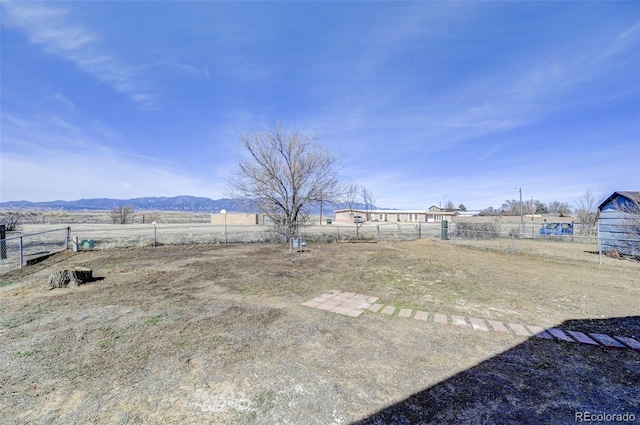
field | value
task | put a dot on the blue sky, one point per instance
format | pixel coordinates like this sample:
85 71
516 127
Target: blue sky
422 102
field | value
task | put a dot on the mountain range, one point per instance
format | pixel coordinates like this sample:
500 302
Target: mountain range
175 203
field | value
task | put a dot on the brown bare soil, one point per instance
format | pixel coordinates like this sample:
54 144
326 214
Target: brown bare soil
216 334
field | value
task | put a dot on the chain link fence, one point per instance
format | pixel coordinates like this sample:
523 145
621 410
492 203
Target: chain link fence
367 232
581 244
22 248
39 241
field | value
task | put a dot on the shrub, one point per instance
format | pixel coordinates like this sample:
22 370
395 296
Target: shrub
466 230
10 219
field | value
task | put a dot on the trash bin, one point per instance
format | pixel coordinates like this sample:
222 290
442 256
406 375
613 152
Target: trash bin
444 230
297 243
87 244
329 221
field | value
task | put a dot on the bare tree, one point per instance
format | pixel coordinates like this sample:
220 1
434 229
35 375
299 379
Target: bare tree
490 212
448 206
122 214
358 197
283 172
11 219
587 212
369 202
560 208
352 196
512 207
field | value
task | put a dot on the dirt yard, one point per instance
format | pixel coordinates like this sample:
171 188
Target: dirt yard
217 334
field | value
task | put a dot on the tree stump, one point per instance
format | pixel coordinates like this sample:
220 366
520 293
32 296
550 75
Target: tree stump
69 278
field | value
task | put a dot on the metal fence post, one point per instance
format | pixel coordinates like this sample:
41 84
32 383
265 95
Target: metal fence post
338 233
21 253
399 236
599 245
68 236
378 232
419 230
154 234
3 242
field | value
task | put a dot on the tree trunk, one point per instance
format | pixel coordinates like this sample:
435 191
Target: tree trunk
69 278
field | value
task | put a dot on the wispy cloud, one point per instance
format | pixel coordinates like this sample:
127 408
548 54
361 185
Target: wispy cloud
46 154
117 177
186 68
59 97
623 41
51 28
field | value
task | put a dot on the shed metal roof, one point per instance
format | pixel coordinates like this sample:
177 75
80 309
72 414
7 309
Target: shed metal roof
632 195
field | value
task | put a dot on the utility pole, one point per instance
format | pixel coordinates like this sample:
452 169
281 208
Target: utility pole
532 208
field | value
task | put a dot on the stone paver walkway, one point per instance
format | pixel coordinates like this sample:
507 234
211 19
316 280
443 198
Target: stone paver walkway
347 303
352 304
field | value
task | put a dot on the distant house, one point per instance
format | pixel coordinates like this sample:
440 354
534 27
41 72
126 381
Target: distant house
469 213
619 223
393 216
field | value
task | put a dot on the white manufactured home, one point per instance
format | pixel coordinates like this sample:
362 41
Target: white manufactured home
352 215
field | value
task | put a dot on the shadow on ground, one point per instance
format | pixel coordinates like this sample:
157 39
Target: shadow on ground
537 382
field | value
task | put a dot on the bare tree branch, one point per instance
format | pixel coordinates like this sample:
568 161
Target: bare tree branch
11 219
122 214
284 172
587 212
356 196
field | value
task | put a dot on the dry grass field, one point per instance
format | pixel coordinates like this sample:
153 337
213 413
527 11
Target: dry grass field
217 334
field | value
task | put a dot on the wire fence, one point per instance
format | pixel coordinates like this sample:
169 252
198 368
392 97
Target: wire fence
27 248
39 241
380 232
578 244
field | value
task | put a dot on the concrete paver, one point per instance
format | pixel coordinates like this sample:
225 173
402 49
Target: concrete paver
519 329
582 338
606 340
375 307
405 312
557 333
421 315
629 342
353 305
388 310
459 320
498 326
539 332
478 324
